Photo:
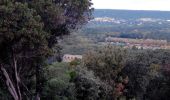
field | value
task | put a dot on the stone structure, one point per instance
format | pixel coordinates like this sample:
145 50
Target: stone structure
69 58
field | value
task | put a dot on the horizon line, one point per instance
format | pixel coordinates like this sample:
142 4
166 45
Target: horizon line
131 9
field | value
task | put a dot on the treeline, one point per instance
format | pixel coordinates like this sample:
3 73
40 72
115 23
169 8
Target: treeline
144 31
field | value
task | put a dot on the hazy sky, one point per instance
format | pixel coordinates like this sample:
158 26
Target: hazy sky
133 4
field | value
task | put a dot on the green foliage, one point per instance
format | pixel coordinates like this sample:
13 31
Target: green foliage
58 85
21 30
73 74
130 72
106 63
61 16
89 87
66 83
159 87
75 62
142 67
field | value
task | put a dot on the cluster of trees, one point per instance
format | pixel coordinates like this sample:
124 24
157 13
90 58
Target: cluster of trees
111 74
29 32
132 74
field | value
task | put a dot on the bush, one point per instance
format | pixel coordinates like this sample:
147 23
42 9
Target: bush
89 87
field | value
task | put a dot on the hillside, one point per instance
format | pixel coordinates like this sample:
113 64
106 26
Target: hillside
131 14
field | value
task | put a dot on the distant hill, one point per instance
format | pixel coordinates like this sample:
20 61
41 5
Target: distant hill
131 14
128 24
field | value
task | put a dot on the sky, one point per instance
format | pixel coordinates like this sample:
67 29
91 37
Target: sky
163 5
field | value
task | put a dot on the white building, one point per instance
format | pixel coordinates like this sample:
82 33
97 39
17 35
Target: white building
69 58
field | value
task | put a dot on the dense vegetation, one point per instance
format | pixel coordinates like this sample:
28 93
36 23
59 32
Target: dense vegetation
30 36
29 32
132 73
110 74
115 73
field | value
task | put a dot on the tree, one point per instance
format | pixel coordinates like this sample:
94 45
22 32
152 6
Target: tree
107 64
58 85
22 42
28 33
60 17
159 87
89 87
143 67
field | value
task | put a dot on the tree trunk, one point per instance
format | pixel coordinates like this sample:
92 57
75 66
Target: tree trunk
17 78
13 86
9 83
37 97
38 83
